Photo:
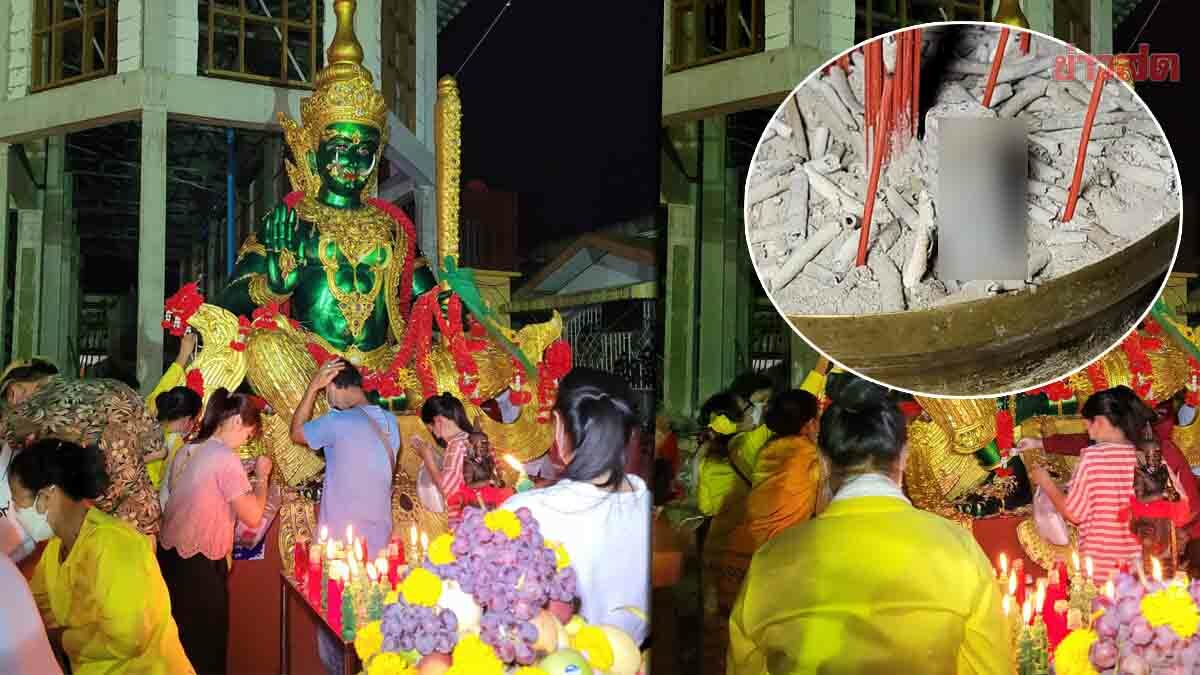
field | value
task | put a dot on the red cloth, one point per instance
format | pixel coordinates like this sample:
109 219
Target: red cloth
1071 444
466 496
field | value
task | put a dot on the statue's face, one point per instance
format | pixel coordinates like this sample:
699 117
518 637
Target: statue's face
346 157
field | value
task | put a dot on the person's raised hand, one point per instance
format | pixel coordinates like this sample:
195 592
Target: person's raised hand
187 346
262 466
1040 477
326 373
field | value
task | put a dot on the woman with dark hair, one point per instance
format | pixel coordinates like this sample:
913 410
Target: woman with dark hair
599 514
789 480
176 407
441 477
210 492
872 584
717 475
1102 484
97 584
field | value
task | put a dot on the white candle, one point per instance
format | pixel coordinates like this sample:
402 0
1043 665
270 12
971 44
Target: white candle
1012 584
1158 571
1090 568
1027 611
1004 605
1110 590
413 534
1075 561
1003 565
324 533
350 535
424 545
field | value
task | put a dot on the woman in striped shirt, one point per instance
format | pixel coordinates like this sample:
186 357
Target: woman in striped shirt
1102 484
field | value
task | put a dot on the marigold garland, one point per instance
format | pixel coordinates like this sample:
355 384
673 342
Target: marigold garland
473 657
390 663
1172 607
368 641
504 521
1073 655
421 587
441 549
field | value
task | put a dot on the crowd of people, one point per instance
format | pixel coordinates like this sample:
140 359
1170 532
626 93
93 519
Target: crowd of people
123 511
814 559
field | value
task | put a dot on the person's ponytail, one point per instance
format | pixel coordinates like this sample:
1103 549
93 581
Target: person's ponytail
223 405
598 415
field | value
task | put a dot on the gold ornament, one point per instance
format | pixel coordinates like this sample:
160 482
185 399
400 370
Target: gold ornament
344 92
448 132
1122 67
251 247
1009 12
970 422
1042 552
940 473
287 263
261 293
220 365
1187 438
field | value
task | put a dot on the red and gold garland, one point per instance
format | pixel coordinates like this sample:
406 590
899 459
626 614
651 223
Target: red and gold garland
180 307
195 382
556 363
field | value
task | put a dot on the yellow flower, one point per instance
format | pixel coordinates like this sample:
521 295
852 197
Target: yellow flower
421 587
392 597
368 641
593 644
473 657
439 550
390 663
503 521
1172 607
562 560
1071 657
529 670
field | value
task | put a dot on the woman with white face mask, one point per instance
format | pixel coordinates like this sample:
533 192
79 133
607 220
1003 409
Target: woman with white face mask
97 585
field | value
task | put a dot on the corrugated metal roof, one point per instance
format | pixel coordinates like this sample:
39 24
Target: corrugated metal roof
447 10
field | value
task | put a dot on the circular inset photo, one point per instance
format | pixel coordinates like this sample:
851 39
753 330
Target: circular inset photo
963 209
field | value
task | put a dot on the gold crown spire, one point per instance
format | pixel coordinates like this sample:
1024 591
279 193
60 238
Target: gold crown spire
344 91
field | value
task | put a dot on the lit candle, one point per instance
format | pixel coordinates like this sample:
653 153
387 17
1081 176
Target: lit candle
1003 565
1012 584
330 551
1157 567
523 482
1004 605
1027 612
350 535
1040 603
424 546
1110 590
1090 568
413 535
1075 561
324 533
358 551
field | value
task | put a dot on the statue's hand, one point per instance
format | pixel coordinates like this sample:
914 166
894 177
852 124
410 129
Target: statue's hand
281 239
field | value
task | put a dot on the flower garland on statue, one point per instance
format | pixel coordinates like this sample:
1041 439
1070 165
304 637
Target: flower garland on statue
180 307
492 598
554 366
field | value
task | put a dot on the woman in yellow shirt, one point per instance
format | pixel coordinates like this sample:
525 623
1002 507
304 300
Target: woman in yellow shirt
97 584
176 408
872 585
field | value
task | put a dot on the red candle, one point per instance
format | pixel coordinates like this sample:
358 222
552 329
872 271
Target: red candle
1018 570
299 561
334 613
395 560
1061 578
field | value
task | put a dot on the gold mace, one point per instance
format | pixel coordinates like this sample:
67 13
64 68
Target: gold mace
1009 12
448 134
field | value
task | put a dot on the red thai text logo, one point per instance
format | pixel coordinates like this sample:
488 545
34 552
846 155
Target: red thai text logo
1140 67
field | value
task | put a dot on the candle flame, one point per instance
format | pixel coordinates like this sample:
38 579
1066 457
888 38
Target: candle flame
512 461
1158 571
1004 605
1075 560
372 573
1012 583
1003 564
1110 590
1090 567
324 533
329 550
1041 596
350 535
1027 612
413 533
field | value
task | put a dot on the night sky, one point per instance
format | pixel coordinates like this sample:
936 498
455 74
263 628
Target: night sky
561 105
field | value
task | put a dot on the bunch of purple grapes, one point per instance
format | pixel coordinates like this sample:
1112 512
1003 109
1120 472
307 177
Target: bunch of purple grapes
426 630
1128 639
512 579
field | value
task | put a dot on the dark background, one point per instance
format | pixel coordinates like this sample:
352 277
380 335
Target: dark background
561 105
1171 29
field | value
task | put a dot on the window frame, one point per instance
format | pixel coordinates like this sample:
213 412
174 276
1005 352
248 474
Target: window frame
54 27
283 24
956 10
757 37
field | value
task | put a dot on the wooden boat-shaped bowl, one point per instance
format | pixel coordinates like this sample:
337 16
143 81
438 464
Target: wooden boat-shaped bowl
1008 342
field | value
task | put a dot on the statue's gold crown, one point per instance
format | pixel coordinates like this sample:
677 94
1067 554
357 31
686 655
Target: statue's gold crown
345 91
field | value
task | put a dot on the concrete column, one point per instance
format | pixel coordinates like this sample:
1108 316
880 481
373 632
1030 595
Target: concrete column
681 326
266 194
6 26
156 35
152 247
183 38
50 340
426 216
426 65
1040 14
19 47
1102 27
5 164
129 35
27 294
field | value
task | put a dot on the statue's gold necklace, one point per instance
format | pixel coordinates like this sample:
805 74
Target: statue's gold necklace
356 233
